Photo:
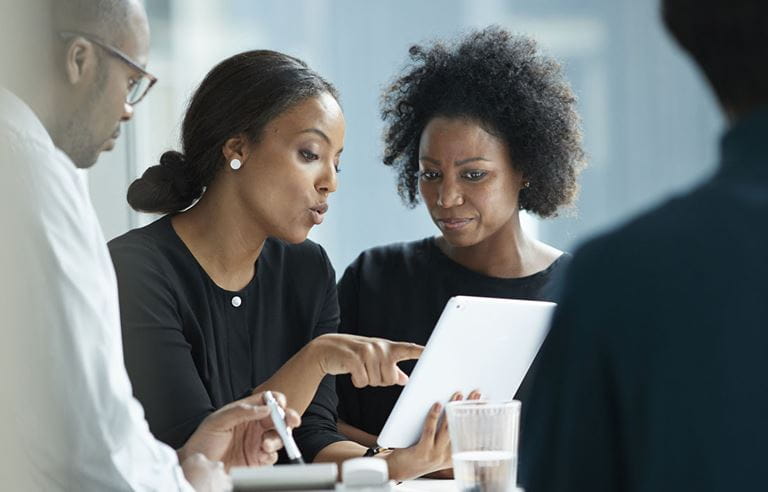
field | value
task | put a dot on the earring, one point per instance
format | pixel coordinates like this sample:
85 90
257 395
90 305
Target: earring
235 164
527 184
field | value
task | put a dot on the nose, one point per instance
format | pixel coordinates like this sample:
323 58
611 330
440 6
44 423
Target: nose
449 194
327 182
127 112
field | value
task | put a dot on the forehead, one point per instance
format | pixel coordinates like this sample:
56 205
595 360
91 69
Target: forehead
135 36
458 136
321 112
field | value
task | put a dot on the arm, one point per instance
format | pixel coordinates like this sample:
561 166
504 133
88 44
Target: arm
370 361
403 463
349 397
74 418
160 360
158 356
431 454
357 435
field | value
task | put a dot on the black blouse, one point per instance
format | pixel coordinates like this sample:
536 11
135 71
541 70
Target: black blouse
398 292
192 347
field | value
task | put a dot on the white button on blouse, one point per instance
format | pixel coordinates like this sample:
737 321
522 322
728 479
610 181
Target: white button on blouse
236 301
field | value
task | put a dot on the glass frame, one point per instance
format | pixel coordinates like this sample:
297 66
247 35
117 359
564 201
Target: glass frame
122 57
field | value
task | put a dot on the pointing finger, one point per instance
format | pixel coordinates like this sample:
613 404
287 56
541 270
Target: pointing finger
405 351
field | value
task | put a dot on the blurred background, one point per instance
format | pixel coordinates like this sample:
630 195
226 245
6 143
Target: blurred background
650 122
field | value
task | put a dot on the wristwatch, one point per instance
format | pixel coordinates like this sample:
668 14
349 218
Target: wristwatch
373 451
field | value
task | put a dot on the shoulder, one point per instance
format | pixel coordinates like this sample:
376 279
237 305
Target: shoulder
667 227
649 247
393 255
142 240
141 250
44 198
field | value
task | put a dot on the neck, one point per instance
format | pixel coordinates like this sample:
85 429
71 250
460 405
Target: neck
224 241
509 253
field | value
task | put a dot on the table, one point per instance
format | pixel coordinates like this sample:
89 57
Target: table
423 484
426 484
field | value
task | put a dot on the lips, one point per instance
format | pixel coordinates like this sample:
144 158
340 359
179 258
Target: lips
321 209
318 212
453 223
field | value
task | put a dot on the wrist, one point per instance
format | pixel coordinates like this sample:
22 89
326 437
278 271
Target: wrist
375 451
399 469
315 353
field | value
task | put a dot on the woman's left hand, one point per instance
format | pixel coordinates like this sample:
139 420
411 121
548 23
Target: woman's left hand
433 451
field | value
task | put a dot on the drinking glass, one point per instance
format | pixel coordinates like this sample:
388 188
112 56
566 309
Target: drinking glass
484 444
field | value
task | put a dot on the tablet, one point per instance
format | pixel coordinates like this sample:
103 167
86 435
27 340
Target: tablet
478 343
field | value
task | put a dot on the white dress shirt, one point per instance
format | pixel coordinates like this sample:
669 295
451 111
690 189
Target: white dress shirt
68 420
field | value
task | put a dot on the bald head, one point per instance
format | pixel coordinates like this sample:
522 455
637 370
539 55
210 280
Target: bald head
110 20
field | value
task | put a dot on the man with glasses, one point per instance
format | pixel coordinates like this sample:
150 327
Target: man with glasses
68 420
139 84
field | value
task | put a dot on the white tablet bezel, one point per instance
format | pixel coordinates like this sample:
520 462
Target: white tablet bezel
478 343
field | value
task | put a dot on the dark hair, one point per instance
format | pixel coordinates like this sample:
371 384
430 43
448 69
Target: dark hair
240 95
728 39
514 92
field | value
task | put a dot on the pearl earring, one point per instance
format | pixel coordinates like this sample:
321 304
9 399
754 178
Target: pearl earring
235 164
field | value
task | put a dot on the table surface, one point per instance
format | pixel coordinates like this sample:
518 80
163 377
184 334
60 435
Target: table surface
427 484
430 485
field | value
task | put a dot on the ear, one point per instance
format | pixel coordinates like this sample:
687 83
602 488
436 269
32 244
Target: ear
80 60
236 148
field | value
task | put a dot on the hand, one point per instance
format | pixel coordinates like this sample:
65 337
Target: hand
370 361
433 451
240 434
205 475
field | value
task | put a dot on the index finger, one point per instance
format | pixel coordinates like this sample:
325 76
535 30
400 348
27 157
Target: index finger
406 351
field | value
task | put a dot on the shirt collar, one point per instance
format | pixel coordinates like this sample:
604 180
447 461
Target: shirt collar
745 144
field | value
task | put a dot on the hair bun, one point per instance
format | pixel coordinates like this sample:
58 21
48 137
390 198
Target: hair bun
166 187
173 160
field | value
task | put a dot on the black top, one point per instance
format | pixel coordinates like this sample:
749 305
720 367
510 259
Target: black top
192 347
398 292
654 376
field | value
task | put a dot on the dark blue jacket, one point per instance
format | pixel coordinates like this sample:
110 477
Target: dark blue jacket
654 376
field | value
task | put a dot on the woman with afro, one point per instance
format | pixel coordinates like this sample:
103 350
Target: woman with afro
478 129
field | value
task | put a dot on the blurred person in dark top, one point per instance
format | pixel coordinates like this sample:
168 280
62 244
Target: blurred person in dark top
653 376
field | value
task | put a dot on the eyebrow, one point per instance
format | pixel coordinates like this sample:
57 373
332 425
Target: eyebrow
458 163
321 134
318 132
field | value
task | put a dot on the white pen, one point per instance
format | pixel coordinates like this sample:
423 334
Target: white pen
278 418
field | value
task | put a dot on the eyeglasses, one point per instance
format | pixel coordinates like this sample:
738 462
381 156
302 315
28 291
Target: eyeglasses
139 87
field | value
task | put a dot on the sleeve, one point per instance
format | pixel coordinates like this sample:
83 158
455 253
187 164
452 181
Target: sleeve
318 427
70 420
349 403
569 434
158 356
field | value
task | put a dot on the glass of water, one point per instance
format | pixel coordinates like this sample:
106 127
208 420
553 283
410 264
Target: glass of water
484 444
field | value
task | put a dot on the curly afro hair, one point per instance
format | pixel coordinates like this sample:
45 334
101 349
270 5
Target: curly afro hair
515 93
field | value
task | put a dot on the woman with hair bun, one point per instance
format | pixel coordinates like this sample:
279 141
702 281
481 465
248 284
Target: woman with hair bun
224 295
479 128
